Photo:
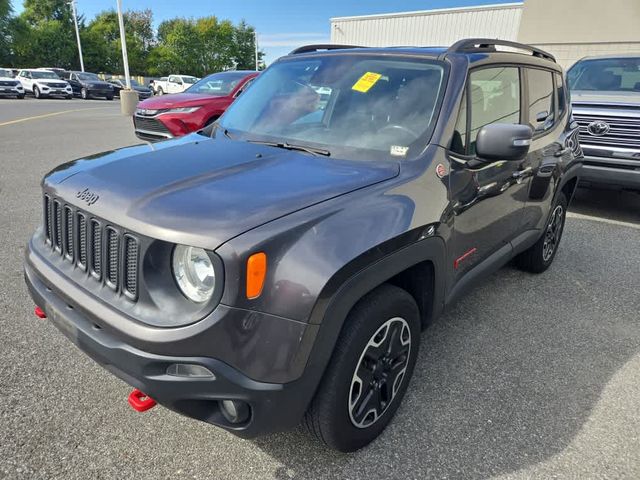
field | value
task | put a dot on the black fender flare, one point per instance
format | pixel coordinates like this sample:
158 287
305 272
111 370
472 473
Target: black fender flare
340 295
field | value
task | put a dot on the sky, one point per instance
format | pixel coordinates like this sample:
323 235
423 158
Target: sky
282 25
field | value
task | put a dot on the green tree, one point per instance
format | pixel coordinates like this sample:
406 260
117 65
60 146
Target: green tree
5 32
43 35
102 46
244 53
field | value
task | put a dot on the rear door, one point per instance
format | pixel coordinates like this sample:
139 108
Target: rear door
487 197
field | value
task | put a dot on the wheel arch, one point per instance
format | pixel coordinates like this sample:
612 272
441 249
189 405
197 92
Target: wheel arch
404 267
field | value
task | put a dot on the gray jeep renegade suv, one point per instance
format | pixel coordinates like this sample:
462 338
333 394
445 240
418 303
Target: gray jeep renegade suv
279 265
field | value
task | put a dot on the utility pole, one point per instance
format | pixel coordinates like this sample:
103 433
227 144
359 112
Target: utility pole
75 22
123 40
255 44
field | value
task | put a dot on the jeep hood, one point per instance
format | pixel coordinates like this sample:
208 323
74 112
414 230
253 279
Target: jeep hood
203 192
581 98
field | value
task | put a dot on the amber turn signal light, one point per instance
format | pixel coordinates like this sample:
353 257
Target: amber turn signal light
256 273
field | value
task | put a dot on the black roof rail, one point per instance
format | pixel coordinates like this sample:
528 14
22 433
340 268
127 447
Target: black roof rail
469 45
316 48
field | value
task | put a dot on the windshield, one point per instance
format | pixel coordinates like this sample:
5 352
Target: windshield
5 73
44 74
355 106
88 76
189 79
607 74
218 84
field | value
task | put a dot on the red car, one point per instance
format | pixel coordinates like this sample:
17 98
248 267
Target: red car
168 116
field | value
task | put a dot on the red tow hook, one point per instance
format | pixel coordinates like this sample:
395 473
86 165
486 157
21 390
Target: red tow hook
39 312
140 402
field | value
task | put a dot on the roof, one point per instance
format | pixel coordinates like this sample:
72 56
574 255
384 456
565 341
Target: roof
437 11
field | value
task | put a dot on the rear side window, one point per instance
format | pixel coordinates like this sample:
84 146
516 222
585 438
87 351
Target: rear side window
494 97
541 114
562 95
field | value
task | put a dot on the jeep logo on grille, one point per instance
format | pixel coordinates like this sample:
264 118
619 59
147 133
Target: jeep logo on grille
598 128
88 196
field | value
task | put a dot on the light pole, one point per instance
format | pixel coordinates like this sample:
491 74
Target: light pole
123 41
255 44
128 97
75 22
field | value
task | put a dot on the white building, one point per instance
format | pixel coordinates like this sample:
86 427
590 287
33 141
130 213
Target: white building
569 29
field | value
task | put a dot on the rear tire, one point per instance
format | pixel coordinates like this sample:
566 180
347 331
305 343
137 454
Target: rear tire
369 371
110 97
537 258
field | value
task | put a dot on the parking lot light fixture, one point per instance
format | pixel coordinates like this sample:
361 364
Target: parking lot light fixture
75 22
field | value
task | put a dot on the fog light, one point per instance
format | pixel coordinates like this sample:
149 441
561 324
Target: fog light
189 370
234 411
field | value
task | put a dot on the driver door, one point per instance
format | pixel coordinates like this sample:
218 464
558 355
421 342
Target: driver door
487 197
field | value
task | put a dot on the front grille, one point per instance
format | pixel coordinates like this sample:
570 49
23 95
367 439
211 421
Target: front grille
108 255
150 125
131 266
96 247
113 257
8 83
624 131
55 85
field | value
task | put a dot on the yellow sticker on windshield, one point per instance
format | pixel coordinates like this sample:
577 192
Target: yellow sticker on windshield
365 82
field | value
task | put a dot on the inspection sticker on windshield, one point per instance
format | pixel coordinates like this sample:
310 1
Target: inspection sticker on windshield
398 151
366 81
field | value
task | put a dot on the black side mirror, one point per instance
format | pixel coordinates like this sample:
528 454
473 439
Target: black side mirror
503 141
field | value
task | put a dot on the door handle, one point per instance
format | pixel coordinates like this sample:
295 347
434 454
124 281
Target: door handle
522 173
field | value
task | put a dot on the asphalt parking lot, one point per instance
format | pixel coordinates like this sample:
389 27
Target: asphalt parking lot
527 377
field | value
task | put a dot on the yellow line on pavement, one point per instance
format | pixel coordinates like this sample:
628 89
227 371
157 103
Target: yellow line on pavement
36 117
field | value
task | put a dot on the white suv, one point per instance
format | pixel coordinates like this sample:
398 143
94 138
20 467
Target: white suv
44 83
9 86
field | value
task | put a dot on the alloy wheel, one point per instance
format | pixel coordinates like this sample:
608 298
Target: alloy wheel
552 234
379 372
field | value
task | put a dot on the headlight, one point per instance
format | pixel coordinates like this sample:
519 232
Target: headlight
183 109
194 273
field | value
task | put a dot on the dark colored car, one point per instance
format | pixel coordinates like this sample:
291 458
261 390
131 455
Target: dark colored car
605 93
168 116
88 85
280 264
119 84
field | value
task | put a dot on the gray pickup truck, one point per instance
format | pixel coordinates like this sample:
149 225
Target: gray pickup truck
605 95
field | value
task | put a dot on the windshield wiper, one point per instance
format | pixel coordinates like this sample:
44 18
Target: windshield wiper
225 132
291 146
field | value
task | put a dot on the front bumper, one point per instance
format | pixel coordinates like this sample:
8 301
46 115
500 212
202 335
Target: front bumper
94 92
274 406
607 171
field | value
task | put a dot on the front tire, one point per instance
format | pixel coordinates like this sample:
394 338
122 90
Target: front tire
160 91
369 371
21 96
537 258
109 97
36 92
84 94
